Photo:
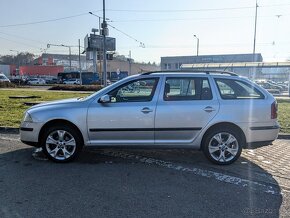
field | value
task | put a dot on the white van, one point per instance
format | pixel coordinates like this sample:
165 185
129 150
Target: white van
3 78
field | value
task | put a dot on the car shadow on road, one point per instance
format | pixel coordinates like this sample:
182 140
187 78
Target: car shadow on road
164 183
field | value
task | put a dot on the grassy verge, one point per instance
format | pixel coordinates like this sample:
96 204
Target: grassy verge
284 115
11 110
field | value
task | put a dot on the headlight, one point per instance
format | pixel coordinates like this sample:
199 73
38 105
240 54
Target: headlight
27 118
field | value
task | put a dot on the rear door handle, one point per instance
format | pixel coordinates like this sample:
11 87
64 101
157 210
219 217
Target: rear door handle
209 109
146 110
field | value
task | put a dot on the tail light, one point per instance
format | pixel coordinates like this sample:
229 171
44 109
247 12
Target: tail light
274 110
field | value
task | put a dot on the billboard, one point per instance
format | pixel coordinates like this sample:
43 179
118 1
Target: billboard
95 42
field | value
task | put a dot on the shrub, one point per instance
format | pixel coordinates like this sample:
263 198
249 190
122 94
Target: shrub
92 88
7 85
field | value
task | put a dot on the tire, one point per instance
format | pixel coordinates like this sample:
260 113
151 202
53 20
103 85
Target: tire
61 143
223 146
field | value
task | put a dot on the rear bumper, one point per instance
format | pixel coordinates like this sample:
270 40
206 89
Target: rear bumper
265 133
265 127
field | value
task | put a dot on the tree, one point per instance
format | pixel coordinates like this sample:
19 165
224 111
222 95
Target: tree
23 58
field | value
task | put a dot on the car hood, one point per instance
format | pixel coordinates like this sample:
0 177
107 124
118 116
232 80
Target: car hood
57 102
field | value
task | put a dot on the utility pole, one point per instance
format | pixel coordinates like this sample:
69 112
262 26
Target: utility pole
95 54
255 30
130 63
254 47
98 51
197 46
80 66
69 57
105 31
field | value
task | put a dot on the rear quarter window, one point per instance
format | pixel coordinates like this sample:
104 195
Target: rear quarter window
236 89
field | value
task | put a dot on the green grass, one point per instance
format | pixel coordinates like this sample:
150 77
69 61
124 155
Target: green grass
284 115
11 110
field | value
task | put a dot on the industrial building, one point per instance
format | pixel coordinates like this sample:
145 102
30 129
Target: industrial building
175 62
248 65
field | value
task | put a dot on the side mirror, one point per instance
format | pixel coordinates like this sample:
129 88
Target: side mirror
105 99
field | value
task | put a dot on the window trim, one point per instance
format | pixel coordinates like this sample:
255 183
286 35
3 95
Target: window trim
192 99
151 96
245 83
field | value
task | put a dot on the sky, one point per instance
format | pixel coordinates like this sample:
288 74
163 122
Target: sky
165 27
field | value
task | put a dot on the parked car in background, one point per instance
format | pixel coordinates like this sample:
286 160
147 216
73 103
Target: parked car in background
72 81
51 80
3 78
216 112
36 81
273 89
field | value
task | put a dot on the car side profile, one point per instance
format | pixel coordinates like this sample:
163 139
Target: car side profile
36 81
216 112
72 81
3 78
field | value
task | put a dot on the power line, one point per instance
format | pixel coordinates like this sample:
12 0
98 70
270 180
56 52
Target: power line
44 21
20 37
193 19
19 43
193 10
181 10
141 44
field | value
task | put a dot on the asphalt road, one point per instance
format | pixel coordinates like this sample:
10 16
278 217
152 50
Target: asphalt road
134 183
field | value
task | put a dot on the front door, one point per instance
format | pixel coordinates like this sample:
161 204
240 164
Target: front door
128 119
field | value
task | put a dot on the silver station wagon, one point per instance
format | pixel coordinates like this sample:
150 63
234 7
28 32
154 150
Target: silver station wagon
216 112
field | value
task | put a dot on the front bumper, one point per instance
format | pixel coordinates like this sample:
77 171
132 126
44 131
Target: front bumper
29 132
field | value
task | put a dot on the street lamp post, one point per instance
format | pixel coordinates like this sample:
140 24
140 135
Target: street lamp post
67 46
197 46
18 61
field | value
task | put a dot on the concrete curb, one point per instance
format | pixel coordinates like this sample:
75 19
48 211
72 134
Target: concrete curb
9 130
13 130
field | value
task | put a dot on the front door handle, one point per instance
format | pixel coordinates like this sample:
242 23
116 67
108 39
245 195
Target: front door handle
209 109
146 110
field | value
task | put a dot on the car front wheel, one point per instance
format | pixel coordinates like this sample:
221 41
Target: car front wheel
61 144
223 146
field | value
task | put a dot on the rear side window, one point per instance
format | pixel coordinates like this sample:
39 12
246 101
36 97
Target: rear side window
182 89
235 89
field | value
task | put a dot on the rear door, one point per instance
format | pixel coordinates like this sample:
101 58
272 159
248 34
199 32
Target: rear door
185 106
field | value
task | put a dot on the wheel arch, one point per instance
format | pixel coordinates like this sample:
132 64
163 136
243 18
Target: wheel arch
222 125
61 122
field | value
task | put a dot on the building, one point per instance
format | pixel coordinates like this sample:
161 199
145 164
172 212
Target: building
8 70
175 62
130 67
32 71
117 64
69 62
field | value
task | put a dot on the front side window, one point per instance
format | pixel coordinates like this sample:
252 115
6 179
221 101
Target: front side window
135 91
235 89
180 89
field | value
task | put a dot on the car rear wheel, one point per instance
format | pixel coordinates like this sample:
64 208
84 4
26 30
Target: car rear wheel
61 144
223 146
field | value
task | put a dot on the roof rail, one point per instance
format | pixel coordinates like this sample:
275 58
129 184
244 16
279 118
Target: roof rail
193 71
